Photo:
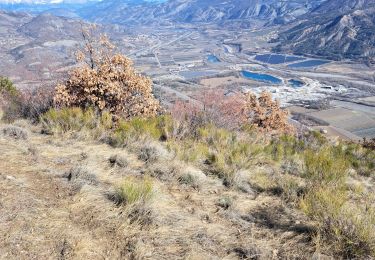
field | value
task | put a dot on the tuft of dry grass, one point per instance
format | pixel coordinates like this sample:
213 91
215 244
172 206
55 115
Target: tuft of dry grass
133 191
15 132
86 124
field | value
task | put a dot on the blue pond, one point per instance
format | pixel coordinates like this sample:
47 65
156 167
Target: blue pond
277 58
296 83
261 77
308 63
213 59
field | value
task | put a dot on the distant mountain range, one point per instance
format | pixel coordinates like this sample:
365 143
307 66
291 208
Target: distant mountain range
192 11
335 29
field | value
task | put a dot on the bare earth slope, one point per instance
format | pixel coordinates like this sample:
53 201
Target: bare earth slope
48 214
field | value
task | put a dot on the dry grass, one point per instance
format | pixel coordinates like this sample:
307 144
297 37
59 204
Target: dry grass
212 196
133 191
14 132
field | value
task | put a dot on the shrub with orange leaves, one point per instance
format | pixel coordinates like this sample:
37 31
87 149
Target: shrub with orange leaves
106 80
266 113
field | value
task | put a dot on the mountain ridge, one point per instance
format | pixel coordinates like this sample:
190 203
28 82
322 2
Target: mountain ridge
217 11
346 33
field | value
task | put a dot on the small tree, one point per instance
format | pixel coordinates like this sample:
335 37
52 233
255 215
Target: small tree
106 80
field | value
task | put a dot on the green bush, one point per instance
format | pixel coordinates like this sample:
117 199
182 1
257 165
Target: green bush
7 87
285 147
10 100
348 230
345 227
325 166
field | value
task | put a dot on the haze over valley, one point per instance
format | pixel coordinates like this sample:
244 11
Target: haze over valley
186 46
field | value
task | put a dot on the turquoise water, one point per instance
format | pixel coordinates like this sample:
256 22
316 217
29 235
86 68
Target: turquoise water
213 59
308 63
296 83
261 77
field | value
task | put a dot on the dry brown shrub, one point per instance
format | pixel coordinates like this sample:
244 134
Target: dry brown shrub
224 110
369 143
266 113
234 111
106 80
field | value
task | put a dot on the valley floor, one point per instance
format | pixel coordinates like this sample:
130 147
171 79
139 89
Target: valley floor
48 214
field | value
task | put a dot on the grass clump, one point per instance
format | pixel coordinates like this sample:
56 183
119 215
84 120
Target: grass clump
361 159
134 191
263 182
76 120
118 160
224 202
156 128
15 132
188 179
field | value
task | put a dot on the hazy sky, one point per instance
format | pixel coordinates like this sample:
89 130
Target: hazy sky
53 1
44 1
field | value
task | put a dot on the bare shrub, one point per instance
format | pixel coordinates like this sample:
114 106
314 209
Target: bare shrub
118 160
106 80
233 112
35 102
29 103
152 152
188 118
224 110
80 175
15 132
369 143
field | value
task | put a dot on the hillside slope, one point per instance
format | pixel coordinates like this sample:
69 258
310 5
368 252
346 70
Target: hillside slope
57 202
337 29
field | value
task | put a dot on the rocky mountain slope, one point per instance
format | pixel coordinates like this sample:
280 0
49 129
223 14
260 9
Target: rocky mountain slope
213 11
337 29
36 48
